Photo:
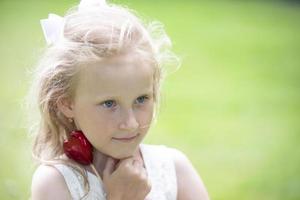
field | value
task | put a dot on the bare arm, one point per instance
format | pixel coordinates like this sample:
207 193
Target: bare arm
190 185
48 183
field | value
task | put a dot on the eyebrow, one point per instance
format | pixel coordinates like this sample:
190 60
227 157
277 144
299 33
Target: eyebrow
150 92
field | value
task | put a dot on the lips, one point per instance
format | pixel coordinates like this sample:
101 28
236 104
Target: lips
126 138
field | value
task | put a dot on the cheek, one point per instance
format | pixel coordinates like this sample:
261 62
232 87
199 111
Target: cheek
89 118
101 120
145 114
97 126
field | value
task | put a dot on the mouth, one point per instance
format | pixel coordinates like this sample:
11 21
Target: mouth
126 139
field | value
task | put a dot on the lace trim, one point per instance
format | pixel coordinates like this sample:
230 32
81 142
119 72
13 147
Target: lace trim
161 171
74 181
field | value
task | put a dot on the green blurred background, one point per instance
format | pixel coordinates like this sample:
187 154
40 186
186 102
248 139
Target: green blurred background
233 107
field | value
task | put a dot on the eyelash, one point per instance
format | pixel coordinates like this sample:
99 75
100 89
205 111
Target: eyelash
103 104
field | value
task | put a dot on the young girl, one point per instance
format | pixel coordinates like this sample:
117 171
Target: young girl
97 88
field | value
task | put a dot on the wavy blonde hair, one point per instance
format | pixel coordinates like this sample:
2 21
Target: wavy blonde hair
89 35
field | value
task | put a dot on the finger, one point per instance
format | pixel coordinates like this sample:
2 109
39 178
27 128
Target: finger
137 163
143 171
139 167
117 164
137 155
125 161
144 175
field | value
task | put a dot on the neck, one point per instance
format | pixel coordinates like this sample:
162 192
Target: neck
99 161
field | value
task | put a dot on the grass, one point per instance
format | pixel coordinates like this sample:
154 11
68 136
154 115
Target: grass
233 107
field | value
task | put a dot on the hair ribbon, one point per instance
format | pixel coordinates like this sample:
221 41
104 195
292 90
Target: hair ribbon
53 26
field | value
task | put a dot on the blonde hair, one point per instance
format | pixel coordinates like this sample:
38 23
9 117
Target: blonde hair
93 34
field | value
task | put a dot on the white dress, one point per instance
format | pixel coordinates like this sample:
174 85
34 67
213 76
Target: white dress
160 169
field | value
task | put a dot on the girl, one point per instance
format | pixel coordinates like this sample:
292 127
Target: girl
97 89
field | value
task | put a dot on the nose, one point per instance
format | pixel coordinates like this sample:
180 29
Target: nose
129 123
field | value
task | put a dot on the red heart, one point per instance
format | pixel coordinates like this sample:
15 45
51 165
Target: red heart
78 148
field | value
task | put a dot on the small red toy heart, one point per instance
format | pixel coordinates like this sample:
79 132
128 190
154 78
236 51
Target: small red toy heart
78 148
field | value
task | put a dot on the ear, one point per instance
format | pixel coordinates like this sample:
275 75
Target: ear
66 106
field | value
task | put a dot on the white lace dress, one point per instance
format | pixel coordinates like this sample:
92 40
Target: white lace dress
160 168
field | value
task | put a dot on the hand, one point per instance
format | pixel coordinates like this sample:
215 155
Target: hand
126 180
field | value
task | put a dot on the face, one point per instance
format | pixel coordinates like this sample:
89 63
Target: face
113 105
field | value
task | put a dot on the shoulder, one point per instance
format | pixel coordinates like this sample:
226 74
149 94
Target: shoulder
48 183
189 182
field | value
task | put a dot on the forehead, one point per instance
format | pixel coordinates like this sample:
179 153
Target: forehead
115 78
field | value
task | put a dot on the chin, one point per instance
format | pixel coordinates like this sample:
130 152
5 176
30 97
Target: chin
123 154
120 156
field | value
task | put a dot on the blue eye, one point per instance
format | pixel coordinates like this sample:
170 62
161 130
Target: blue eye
112 103
142 99
108 103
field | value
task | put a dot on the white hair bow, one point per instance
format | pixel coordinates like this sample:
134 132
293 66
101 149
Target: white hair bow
54 24
52 27
87 4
